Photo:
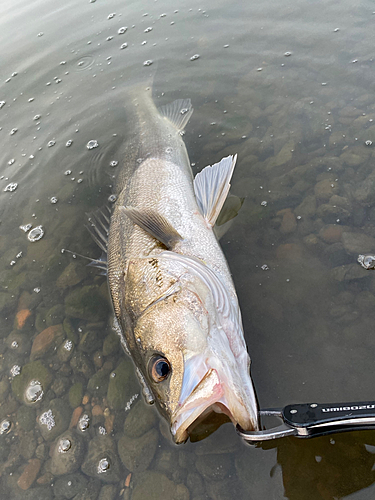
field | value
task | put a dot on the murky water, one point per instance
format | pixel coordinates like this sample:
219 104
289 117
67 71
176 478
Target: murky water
289 86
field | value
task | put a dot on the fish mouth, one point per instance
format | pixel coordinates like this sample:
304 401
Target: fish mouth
211 394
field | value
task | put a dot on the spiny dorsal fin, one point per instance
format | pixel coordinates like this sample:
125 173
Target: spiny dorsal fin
178 112
211 187
155 224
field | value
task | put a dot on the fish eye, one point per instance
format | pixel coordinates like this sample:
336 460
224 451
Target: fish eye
160 368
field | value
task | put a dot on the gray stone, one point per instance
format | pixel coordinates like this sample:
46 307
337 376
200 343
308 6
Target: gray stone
70 485
349 272
122 385
101 461
90 341
358 243
111 344
98 383
68 453
108 492
87 303
153 486
31 372
215 468
137 453
81 364
140 419
54 419
90 492
26 417
55 315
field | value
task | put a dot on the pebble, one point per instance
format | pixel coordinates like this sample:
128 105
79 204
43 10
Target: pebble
358 243
102 448
21 318
46 340
29 473
331 233
137 453
68 453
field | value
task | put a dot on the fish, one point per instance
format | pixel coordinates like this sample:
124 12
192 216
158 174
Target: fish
174 300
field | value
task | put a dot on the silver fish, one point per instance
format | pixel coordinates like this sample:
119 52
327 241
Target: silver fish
171 288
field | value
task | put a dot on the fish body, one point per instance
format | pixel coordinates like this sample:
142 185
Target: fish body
171 288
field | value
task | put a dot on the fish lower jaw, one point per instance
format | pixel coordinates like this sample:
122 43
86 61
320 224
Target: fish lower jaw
209 396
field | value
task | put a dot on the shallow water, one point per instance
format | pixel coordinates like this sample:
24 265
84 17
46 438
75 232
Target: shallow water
287 86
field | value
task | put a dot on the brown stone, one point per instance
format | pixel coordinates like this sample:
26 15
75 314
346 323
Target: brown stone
21 318
331 233
289 222
97 410
289 251
75 416
29 474
45 341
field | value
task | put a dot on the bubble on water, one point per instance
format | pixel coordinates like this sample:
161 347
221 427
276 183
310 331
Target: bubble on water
62 63
148 62
336 30
112 198
163 15
85 62
226 46
31 99
92 144
11 187
15 370
36 290
194 57
287 54
324 84
10 162
19 255
13 131
47 418
40 34
259 69
144 42
123 46
169 150
147 30
102 431
79 181
54 200
34 392
68 345
103 465
368 143
5 426
131 401
67 172
64 445
58 80
84 423
367 261
37 117
69 143
26 227
14 73
264 267
113 163
14 344
12 262
112 15
109 38
263 203
2 103
122 30
36 234
51 143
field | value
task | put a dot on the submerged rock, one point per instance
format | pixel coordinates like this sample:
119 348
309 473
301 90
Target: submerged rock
54 419
141 418
32 383
153 486
67 454
137 453
87 303
69 485
29 474
122 385
102 461
72 275
46 340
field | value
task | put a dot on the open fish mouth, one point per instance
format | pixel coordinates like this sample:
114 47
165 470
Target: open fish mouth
210 394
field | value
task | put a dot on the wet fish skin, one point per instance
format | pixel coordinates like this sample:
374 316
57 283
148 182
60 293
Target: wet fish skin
171 288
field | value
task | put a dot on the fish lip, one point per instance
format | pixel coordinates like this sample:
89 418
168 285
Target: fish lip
188 414
180 425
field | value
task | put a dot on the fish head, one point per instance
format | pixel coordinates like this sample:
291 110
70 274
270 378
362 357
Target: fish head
189 352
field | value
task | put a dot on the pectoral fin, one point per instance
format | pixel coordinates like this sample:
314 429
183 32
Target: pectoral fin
211 187
155 224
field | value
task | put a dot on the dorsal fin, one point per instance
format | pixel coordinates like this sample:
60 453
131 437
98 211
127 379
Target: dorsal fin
155 224
178 112
211 187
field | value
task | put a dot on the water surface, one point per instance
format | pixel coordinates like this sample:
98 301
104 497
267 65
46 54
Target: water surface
289 87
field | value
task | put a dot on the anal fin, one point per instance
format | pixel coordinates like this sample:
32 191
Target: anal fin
178 112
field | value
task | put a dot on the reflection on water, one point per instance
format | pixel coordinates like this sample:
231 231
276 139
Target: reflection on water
289 88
